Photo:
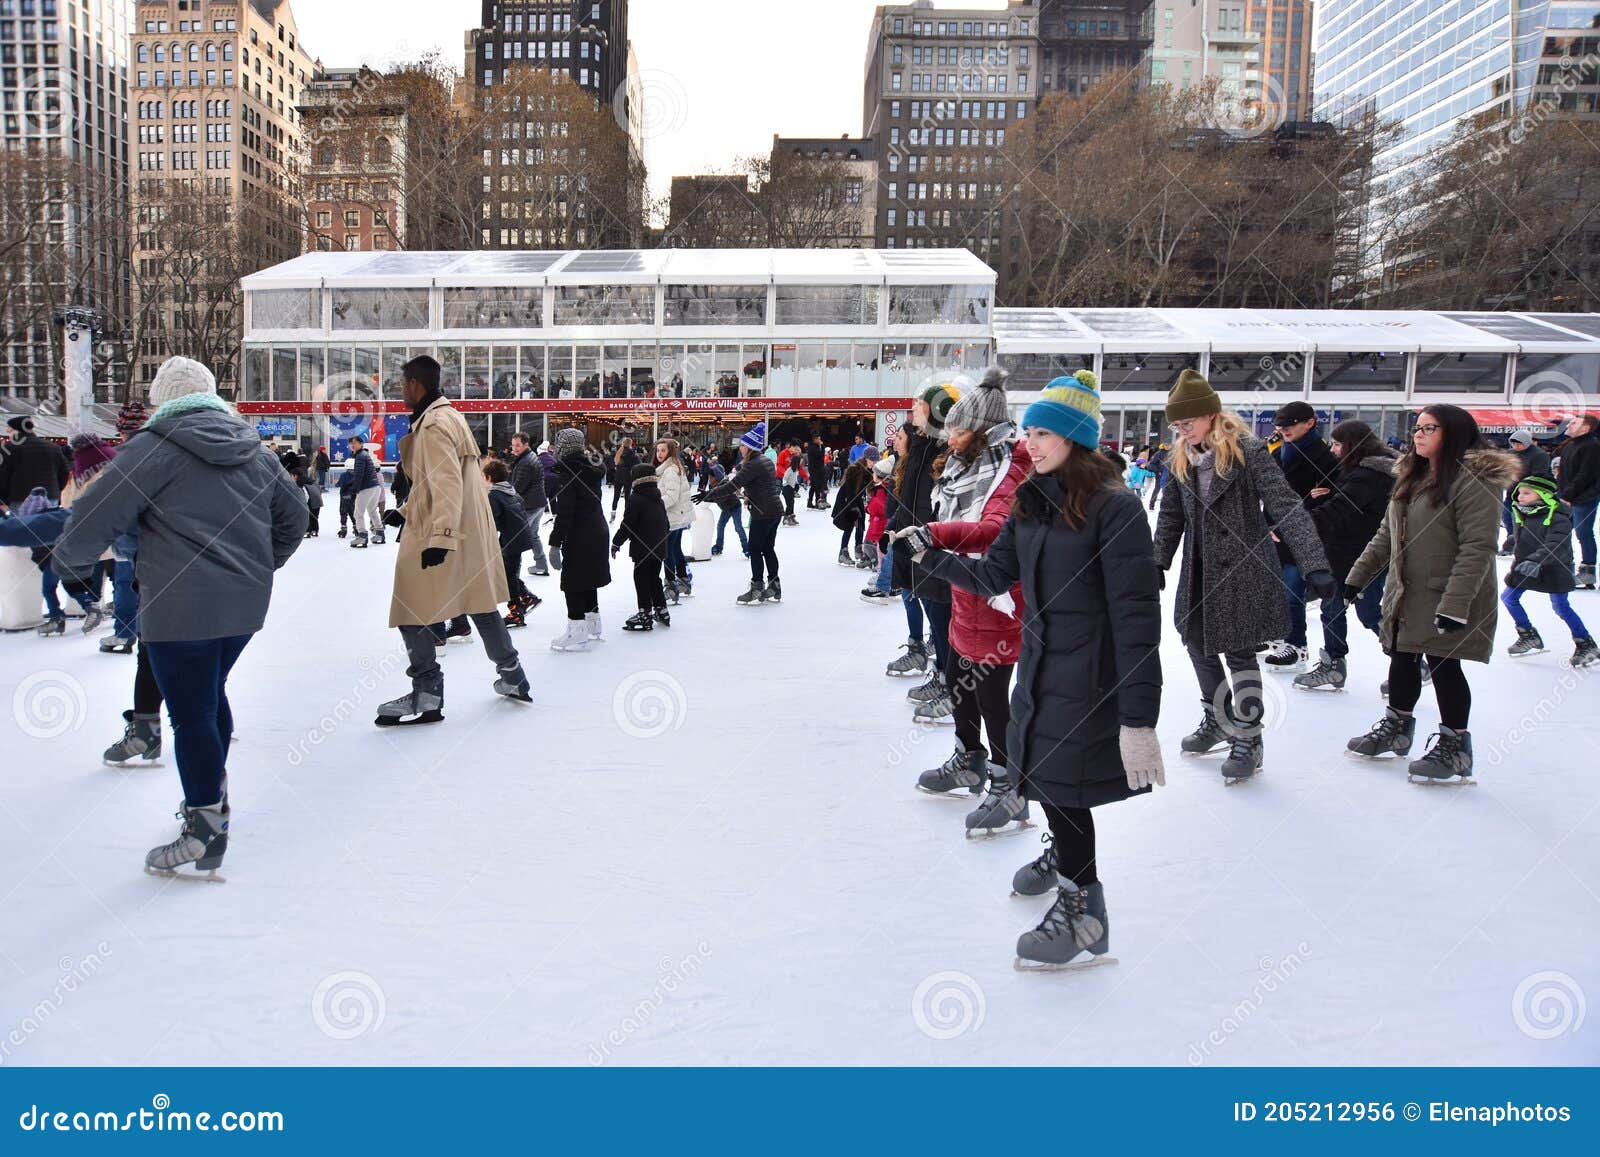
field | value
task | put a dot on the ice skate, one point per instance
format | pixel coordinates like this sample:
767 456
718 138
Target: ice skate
1002 812
845 559
1528 642
927 692
1393 734
1039 875
938 710
1586 654
773 593
1245 756
913 662
661 617
671 590
686 586
964 769
344 531
1074 934
872 596
1206 738
411 709
539 570
752 597
141 740
378 539
1448 761
202 841
643 621
515 616
52 627
1286 659
92 618
591 623
461 631
359 542
1327 675
576 638
116 645
1586 578
513 684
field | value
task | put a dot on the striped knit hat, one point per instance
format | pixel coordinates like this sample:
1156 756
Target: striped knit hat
755 438
1069 407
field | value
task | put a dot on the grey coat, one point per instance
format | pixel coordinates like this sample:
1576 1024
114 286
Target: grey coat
216 516
1229 555
1440 561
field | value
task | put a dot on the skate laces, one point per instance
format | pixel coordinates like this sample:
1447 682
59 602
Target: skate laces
1066 913
1046 863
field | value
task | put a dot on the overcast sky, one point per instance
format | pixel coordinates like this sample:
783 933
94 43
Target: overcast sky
721 76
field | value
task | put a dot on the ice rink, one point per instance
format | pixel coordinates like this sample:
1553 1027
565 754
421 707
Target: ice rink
703 846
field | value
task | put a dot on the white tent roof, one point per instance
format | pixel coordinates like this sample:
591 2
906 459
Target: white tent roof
1088 331
627 267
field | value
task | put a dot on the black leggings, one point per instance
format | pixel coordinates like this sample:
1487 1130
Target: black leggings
580 603
980 691
1072 832
763 550
647 584
1449 687
146 695
621 492
856 531
512 562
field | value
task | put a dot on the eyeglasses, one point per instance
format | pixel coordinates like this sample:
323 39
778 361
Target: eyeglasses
1428 428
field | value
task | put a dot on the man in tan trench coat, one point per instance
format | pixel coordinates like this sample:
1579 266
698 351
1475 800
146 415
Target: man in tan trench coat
449 560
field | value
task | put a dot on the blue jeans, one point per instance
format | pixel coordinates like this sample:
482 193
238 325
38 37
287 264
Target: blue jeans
48 584
124 600
735 514
1512 598
885 580
1335 621
193 677
916 629
677 565
1583 527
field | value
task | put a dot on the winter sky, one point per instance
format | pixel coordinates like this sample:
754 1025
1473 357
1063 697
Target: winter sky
721 76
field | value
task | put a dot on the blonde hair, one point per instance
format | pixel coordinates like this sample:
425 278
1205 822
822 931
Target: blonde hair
1226 437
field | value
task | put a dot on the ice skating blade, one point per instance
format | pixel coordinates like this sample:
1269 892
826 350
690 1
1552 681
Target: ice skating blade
135 762
207 877
1009 829
1425 781
941 721
1022 965
960 794
425 717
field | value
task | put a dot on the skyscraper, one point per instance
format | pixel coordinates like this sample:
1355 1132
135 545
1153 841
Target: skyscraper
64 129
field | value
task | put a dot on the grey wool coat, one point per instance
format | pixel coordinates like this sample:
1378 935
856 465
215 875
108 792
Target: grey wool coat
1230 593
1440 560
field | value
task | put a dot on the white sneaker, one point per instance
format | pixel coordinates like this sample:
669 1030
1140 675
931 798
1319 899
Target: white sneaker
576 638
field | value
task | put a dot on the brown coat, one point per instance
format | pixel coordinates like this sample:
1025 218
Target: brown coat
448 507
1440 561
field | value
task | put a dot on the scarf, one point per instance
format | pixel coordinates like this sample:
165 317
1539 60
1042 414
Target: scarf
1205 467
965 488
188 404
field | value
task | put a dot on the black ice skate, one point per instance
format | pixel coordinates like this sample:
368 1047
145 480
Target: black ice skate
1529 642
661 617
1039 876
773 593
1586 578
141 740
752 597
1206 738
643 621
116 645
1074 934
1585 654
513 684
202 841
964 769
1245 756
1286 659
412 709
1448 761
1391 735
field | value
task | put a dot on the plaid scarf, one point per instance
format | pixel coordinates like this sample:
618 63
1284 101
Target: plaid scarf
965 487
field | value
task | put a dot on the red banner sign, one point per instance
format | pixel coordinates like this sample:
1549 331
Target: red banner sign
711 407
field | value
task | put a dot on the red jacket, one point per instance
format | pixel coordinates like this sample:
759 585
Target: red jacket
877 514
978 632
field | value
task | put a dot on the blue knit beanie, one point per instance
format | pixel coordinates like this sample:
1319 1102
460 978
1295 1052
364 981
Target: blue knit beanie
1070 407
755 438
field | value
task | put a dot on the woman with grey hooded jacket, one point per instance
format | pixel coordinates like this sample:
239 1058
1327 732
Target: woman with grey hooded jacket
216 516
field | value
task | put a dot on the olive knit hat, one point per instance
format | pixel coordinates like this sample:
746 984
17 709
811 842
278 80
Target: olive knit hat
941 398
982 408
1192 397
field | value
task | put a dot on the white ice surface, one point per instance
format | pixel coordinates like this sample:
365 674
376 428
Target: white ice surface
759 883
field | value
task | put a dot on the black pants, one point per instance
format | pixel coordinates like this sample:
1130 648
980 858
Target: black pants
939 627
620 493
788 501
981 692
763 548
857 531
581 603
1245 698
819 491
1072 832
1450 687
647 584
314 519
512 561
146 694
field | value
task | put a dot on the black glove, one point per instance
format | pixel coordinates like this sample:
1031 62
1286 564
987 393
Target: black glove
1528 569
434 556
883 543
1322 584
1161 579
394 518
1444 624
614 550
1351 594
697 497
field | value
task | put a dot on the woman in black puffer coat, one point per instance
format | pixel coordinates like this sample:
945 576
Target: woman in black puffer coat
583 539
1088 690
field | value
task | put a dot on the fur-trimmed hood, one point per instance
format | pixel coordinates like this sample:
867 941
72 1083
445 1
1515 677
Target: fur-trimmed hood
1382 463
1500 467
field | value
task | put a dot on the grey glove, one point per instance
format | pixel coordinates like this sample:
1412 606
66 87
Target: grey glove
555 557
1528 569
918 539
1141 757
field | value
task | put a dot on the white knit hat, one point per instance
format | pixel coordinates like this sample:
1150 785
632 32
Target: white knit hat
179 377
